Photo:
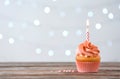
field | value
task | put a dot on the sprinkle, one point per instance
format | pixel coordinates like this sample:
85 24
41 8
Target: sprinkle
69 70
64 70
59 71
73 71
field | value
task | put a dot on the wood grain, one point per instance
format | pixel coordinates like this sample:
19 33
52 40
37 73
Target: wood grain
55 70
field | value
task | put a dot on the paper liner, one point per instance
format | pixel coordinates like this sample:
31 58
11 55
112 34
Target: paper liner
87 66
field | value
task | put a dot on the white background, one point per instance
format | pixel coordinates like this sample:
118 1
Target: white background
50 30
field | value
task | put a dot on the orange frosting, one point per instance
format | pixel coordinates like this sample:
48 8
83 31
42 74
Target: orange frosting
87 49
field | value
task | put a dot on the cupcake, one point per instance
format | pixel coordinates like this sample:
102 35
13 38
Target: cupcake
87 57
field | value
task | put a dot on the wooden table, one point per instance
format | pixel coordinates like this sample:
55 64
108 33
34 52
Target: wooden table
61 70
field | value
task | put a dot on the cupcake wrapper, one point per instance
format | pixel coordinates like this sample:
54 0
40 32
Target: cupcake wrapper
87 66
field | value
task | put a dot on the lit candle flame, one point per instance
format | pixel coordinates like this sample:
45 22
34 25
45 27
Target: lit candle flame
87 24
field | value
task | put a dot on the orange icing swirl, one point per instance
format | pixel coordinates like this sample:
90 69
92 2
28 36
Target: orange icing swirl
88 49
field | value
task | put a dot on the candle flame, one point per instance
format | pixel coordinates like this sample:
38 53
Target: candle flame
87 22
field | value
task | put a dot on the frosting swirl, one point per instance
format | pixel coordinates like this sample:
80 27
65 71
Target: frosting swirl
88 49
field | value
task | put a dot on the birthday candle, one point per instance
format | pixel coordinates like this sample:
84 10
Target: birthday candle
87 30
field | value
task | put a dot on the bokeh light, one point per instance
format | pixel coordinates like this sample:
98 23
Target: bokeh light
38 51
10 25
1 36
105 11
36 22
78 32
110 16
6 2
11 40
98 26
90 14
47 10
51 53
65 33
67 52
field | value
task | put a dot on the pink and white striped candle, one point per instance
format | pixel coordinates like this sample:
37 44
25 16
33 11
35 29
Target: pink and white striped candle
87 30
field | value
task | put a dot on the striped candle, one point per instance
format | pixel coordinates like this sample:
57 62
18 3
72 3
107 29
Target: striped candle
87 30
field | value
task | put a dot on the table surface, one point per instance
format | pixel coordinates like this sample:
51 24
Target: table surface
55 70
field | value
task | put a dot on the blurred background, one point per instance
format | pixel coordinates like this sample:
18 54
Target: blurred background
50 30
